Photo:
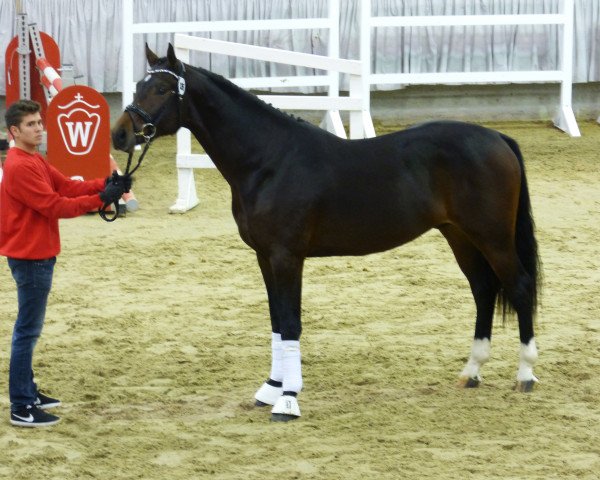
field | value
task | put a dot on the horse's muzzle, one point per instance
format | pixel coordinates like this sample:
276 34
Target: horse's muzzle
122 134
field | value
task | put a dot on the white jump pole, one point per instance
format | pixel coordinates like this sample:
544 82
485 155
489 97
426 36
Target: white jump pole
565 120
332 120
187 197
127 53
363 83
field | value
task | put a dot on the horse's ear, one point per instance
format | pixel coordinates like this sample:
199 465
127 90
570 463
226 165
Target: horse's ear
171 57
151 56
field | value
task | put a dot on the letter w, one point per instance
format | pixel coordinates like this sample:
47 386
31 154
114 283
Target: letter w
79 131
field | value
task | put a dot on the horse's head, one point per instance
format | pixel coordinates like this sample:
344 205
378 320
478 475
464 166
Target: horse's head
156 107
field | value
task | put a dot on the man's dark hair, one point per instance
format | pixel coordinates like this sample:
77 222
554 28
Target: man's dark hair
15 113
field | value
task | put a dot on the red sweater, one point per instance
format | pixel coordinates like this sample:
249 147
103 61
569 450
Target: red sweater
33 196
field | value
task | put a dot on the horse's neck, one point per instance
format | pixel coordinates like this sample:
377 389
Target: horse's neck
232 126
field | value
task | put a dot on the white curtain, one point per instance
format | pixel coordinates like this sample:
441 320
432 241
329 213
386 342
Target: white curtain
88 33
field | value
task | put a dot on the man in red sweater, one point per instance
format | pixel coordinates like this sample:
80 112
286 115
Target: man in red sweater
33 197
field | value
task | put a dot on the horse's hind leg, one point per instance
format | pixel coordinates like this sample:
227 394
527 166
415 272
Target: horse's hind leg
517 290
484 287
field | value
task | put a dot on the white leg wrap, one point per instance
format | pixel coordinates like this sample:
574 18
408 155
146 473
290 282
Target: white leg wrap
527 360
292 369
287 405
276 358
480 353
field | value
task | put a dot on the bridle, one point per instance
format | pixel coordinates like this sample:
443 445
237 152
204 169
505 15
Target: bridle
148 130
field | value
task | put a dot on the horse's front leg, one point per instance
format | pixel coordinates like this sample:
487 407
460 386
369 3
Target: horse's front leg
272 389
283 277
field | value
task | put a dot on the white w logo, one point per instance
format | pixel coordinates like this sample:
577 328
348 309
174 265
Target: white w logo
77 131
78 135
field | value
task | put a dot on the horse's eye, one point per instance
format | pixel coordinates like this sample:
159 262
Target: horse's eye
162 90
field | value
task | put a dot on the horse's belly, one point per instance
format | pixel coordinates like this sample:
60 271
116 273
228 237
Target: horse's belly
363 237
373 221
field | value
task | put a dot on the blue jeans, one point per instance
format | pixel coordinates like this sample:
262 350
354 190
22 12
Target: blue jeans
34 280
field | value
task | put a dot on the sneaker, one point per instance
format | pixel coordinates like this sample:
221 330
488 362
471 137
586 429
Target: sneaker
44 401
32 416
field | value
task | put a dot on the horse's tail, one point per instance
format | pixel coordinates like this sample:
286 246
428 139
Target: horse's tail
526 244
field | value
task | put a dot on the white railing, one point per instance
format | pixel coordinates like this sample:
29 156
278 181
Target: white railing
565 119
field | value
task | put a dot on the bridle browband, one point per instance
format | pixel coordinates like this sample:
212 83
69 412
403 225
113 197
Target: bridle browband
148 130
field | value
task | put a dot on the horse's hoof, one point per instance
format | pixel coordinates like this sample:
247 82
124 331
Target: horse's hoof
469 382
525 386
286 408
258 403
282 417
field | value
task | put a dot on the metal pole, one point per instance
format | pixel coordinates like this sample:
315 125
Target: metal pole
23 51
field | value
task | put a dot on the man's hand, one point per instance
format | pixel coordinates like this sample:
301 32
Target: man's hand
115 187
125 180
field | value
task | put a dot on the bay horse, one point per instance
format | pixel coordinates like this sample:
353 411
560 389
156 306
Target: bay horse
299 191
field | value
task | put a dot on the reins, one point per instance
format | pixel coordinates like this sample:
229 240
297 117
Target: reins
148 131
103 212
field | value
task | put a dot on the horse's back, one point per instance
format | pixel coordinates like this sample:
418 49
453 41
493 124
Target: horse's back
445 142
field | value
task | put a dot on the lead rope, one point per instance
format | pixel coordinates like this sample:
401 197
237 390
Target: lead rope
102 211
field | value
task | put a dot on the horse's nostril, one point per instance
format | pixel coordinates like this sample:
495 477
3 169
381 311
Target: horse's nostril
119 138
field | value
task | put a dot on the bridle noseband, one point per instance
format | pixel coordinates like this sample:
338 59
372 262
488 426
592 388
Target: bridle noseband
148 130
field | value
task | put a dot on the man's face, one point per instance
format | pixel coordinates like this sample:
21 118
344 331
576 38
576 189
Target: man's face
28 135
